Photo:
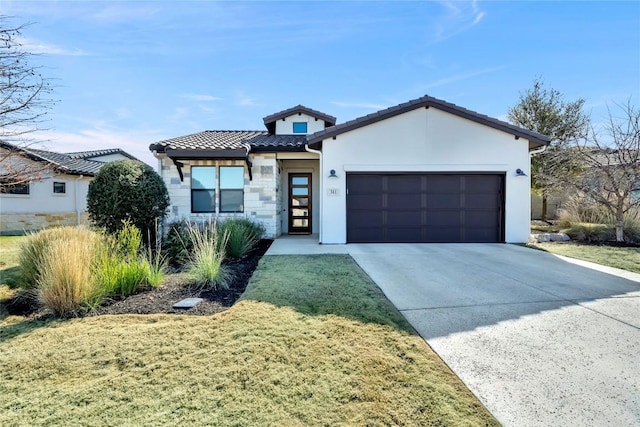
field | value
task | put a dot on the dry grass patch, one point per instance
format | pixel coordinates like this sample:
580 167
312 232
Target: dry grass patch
260 363
618 257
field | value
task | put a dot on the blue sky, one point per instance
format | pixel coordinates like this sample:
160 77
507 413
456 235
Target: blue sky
132 73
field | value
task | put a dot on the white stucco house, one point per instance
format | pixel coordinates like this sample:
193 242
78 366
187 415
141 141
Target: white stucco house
58 195
422 171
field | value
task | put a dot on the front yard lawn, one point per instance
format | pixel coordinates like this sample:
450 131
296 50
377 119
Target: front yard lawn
312 342
618 257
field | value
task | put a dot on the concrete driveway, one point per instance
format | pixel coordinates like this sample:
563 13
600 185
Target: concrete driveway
541 341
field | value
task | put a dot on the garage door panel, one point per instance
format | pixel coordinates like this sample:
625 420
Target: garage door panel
404 217
404 201
365 201
443 184
481 183
444 218
401 184
481 201
424 207
365 184
444 201
366 218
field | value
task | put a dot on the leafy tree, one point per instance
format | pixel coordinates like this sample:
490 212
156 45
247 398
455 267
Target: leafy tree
24 104
544 111
610 165
127 190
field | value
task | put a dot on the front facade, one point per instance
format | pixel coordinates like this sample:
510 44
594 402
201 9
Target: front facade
58 196
422 171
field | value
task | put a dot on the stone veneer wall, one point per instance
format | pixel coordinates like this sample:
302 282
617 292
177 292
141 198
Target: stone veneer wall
261 195
19 223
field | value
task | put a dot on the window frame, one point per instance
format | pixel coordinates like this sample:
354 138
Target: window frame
11 189
223 190
64 187
202 190
306 127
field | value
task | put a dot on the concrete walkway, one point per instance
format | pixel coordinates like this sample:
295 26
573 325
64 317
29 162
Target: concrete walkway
541 340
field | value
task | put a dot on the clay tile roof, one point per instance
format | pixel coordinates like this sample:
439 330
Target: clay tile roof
232 140
88 155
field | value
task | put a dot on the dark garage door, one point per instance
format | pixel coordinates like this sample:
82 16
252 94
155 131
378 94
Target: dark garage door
425 208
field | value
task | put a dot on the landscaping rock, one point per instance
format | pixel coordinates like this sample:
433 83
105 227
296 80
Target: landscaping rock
188 303
559 237
549 237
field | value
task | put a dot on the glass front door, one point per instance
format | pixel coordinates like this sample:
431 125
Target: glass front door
300 203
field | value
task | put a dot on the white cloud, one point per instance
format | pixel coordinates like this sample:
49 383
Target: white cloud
458 77
124 13
245 101
459 17
35 46
200 97
365 105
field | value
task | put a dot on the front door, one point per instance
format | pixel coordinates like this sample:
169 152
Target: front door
300 203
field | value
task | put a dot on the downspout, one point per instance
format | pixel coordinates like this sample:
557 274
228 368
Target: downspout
75 198
319 153
537 151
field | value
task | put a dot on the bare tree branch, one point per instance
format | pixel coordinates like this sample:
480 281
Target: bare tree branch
25 101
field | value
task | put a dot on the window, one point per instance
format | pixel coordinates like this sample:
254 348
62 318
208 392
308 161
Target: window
231 188
203 189
59 187
299 127
15 189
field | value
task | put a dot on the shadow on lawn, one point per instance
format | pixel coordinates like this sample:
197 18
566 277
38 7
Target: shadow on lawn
319 285
9 331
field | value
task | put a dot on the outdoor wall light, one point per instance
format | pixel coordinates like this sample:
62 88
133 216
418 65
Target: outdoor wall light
332 173
520 172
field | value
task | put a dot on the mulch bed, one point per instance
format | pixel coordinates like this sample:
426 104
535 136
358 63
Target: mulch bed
177 287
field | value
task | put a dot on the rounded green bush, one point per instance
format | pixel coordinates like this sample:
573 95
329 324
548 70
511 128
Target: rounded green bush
127 190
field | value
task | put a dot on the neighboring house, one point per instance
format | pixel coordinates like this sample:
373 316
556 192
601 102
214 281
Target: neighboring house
601 158
59 194
422 171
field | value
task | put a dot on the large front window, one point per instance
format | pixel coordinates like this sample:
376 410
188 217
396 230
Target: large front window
203 189
209 181
231 188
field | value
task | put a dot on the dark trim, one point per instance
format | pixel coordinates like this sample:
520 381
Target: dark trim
277 149
179 166
236 154
535 139
309 207
269 121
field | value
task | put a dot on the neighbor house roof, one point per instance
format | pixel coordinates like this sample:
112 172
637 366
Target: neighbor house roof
88 155
269 121
61 162
221 140
535 139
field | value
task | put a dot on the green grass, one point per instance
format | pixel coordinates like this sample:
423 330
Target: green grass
312 342
624 258
9 271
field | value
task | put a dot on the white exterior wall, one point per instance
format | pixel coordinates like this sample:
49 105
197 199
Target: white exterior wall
260 194
426 140
285 127
42 207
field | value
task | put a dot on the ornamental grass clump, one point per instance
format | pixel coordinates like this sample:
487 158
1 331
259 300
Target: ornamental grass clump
124 268
37 245
243 235
205 265
66 278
